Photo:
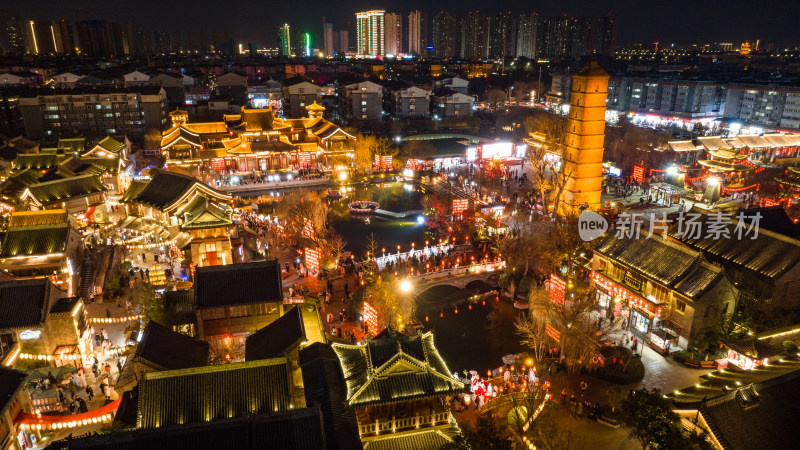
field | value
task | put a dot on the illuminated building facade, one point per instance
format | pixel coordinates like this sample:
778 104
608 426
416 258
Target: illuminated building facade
445 35
583 165
286 40
370 34
394 33
417 32
256 141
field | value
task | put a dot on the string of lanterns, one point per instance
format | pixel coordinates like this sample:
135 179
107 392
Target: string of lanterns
115 319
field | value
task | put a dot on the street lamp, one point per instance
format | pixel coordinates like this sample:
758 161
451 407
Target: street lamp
405 286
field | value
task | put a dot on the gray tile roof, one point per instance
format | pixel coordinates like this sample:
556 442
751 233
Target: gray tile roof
761 415
277 338
369 377
660 259
24 303
770 254
167 349
238 284
214 392
299 429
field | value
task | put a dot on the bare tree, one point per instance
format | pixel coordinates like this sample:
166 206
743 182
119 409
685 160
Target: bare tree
547 155
366 147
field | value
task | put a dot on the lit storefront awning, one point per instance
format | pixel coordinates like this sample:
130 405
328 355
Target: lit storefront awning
48 422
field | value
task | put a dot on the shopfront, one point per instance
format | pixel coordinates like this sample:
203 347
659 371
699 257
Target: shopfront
642 314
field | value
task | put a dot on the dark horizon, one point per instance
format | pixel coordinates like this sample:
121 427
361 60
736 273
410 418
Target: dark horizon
679 22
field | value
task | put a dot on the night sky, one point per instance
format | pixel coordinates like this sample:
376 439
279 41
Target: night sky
678 21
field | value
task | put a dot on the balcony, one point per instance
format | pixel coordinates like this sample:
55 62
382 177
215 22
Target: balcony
384 426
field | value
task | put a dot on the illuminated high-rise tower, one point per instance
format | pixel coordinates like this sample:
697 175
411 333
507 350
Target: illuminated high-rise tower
586 127
286 41
370 33
393 44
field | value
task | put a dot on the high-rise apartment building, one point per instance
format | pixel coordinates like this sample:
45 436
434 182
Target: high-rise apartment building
581 37
417 32
557 37
529 36
445 35
328 39
370 33
502 36
475 36
604 35
285 33
11 36
99 38
394 34
344 41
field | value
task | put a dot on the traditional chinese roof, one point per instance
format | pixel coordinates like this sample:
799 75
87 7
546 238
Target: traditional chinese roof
202 213
418 440
660 259
64 189
180 134
35 240
722 166
299 429
103 164
238 284
166 349
179 306
23 303
394 369
277 338
760 415
315 107
166 189
699 279
37 218
770 254
208 393
38 161
727 154
134 189
323 385
682 146
16 183
108 144
11 381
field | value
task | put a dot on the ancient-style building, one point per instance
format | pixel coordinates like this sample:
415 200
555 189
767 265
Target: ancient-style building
583 165
397 386
256 141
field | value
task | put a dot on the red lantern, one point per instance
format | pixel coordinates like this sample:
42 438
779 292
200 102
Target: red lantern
497 299
426 318
615 360
456 310
469 307
483 303
441 314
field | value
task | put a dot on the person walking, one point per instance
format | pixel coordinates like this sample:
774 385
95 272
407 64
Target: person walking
89 393
564 396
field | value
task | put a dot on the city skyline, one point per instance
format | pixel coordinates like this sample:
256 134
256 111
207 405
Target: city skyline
666 24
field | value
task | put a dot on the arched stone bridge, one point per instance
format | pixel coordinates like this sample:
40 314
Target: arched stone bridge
458 277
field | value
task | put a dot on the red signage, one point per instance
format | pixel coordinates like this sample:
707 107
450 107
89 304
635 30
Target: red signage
371 319
638 173
556 289
383 162
552 332
312 259
460 205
